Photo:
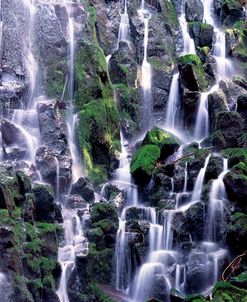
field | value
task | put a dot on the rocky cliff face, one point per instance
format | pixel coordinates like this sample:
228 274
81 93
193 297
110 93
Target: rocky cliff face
59 59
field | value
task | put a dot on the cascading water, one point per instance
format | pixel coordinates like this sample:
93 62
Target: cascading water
146 71
123 34
75 243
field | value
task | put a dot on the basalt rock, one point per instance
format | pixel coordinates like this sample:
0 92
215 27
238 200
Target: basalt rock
193 10
231 126
216 103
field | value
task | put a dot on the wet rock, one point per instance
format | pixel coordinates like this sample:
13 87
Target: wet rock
75 202
178 179
198 268
167 143
44 203
194 168
138 213
84 189
231 126
192 73
117 194
216 103
100 211
232 92
160 188
242 108
231 12
214 168
195 220
202 34
193 10
236 184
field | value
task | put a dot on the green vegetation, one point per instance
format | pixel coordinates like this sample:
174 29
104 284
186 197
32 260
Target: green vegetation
225 292
159 138
145 159
197 67
91 75
98 134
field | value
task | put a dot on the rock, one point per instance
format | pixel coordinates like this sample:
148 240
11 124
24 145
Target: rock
236 184
214 168
138 213
193 10
75 202
143 163
231 126
84 189
232 92
100 211
216 103
242 108
195 221
202 33
44 203
231 11
159 188
218 141
50 163
236 232
240 81
194 168
167 143
235 155
178 179
192 73
198 268
99 134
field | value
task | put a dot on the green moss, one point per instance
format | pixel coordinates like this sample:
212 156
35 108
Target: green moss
98 134
44 228
232 4
159 138
91 75
145 159
171 17
99 294
195 62
225 292
55 79
239 153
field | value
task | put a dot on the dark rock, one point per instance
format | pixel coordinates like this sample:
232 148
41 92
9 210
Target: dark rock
202 34
193 10
242 108
44 203
216 103
84 189
231 12
100 211
214 168
231 126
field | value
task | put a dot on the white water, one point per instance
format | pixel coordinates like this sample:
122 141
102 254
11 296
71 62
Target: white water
217 198
123 34
172 105
146 71
197 191
189 44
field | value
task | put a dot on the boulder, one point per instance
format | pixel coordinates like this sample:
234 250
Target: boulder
84 189
192 74
231 11
100 211
236 185
194 10
202 33
143 163
231 125
236 232
166 142
242 108
44 203
216 103
214 168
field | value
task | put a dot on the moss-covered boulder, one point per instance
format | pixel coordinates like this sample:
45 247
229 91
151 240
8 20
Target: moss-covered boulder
193 10
91 75
236 232
192 73
167 143
143 163
235 155
231 11
99 135
202 33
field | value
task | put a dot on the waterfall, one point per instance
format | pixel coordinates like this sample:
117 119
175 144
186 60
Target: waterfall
224 68
189 44
172 104
216 204
146 71
197 191
123 34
